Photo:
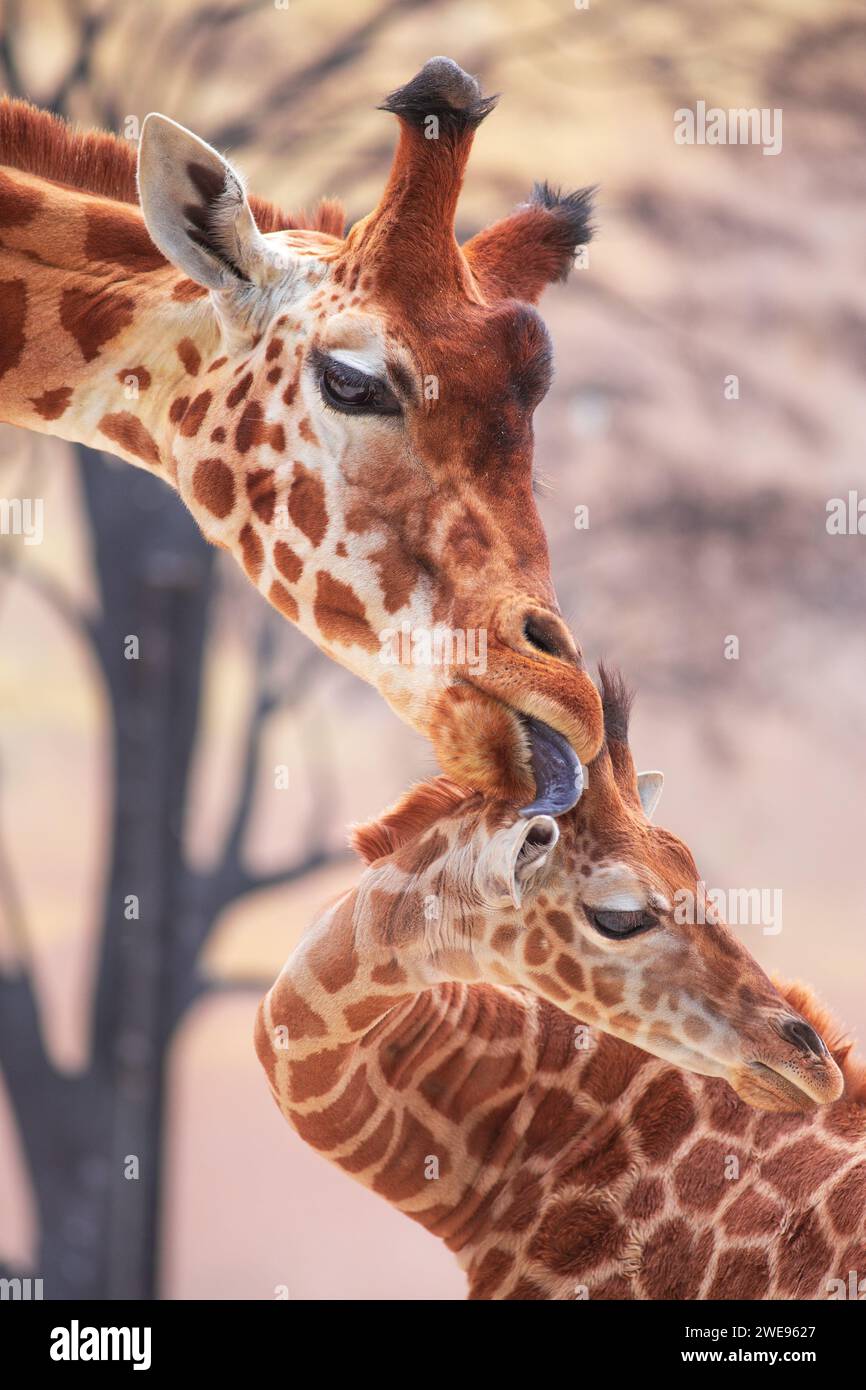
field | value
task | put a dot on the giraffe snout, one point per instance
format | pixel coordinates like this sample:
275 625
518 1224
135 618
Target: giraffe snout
798 1075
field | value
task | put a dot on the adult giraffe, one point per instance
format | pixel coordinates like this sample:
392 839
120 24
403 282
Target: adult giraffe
488 1031
349 417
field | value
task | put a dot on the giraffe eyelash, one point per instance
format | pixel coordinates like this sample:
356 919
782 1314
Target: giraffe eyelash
375 396
620 925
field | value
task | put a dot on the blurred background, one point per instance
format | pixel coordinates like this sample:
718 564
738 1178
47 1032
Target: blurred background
707 520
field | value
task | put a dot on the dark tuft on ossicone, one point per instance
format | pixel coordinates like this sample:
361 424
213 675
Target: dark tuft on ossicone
573 213
441 89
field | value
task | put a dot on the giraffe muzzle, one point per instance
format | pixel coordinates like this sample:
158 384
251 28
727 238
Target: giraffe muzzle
804 1079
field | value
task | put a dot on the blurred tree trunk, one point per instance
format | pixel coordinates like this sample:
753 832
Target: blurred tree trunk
156 578
93 1142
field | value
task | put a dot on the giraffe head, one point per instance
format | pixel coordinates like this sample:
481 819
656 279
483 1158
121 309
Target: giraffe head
582 912
360 434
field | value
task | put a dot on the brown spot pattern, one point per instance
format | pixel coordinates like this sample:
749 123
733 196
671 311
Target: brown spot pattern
307 504
141 375
52 404
13 312
119 235
18 203
280 597
194 415
262 492
287 562
94 319
340 614
127 431
213 486
252 552
189 356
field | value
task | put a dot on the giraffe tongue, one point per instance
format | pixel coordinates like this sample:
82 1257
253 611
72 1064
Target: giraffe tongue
557 770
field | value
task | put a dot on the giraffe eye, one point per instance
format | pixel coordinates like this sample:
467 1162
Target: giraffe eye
347 389
618 925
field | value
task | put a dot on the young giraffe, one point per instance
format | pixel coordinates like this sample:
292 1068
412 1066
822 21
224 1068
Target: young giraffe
425 1037
350 417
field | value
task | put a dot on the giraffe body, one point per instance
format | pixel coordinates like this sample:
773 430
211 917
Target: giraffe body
614 1175
458 1033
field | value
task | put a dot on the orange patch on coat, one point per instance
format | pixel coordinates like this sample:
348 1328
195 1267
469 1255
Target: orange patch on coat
287 562
252 552
194 415
185 290
126 430
307 504
283 600
239 390
340 614
253 429
262 493
94 319
13 313
118 234
189 356
52 404
213 486
306 431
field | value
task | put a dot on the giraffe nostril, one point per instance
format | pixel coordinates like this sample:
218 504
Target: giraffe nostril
548 634
803 1036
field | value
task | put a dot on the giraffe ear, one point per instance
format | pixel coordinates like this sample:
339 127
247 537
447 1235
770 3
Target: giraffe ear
195 208
649 789
511 857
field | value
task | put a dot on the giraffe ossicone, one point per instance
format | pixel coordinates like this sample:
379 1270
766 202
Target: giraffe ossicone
618 1099
350 416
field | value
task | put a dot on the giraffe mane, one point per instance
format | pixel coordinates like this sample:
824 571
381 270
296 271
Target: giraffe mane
95 161
417 809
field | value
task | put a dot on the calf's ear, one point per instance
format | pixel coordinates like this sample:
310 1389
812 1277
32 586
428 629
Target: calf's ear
649 789
511 857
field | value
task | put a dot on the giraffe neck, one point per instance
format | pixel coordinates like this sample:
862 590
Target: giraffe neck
103 339
409 1078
